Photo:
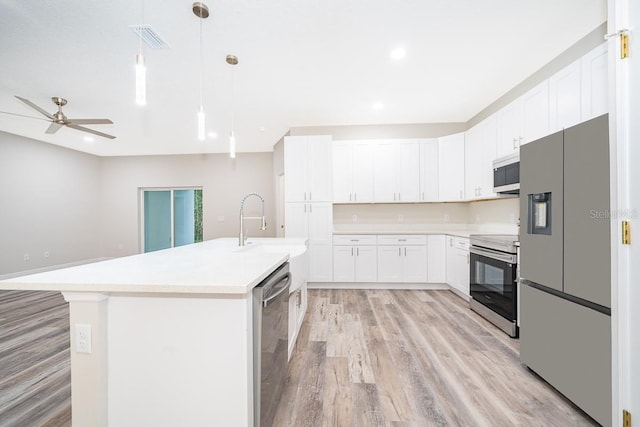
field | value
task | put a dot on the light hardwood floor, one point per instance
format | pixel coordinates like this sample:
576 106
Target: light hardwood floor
363 358
35 374
411 358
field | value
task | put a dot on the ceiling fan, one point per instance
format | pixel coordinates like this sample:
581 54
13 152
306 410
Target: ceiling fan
58 119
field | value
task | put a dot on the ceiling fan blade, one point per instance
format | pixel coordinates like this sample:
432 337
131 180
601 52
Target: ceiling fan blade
53 127
24 115
90 121
35 107
95 132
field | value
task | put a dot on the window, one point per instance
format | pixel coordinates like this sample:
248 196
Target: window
170 217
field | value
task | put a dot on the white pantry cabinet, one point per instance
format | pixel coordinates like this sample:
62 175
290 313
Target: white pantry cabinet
355 258
451 167
458 264
595 92
352 172
480 152
429 170
402 258
564 98
396 171
308 168
436 259
313 221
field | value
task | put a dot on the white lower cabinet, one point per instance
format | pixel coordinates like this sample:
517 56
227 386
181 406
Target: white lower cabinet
355 258
313 221
402 258
436 259
297 310
458 264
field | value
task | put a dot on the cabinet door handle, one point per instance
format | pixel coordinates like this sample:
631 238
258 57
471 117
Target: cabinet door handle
357 251
355 197
394 197
352 251
467 259
310 208
399 251
399 196
423 195
355 240
310 196
405 251
461 195
349 196
520 141
305 196
515 142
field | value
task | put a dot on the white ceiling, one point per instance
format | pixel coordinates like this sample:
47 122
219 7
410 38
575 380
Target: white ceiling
301 63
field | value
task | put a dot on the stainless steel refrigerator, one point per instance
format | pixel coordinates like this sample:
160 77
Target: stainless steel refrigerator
565 264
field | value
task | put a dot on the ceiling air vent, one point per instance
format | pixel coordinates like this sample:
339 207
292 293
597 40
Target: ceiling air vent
149 35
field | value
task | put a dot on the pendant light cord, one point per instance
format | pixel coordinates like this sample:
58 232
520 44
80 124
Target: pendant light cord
201 64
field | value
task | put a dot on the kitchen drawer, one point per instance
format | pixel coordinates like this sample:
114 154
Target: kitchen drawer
406 239
459 242
354 239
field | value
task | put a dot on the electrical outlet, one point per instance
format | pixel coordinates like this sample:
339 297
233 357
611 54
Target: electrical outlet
220 218
446 217
477 217
83 338
46 254
354 218
400 218
26 257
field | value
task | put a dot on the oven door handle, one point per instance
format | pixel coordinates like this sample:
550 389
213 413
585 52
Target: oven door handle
500 256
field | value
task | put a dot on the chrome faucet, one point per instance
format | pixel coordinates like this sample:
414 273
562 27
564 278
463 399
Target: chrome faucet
263 226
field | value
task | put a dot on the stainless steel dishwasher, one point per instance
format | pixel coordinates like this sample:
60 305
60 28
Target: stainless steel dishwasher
270 343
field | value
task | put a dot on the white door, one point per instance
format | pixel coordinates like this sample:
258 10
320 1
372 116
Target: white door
296 220
535 113
595 83
510 125
436 259
451 162
362 178
343 263
384 172
295 168
319 160
390 264
564 98
414 264
366 264
342 172
408 172
429 170
625 109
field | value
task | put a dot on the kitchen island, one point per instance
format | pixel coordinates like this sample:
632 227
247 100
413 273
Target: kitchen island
163 338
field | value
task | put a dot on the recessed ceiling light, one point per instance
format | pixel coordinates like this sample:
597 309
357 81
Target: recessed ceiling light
261 128
88 139
212 135
398 53
377 106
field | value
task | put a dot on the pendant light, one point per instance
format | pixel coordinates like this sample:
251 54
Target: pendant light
232 60
201 11
141 70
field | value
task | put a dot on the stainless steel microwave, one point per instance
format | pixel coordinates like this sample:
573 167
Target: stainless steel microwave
506 174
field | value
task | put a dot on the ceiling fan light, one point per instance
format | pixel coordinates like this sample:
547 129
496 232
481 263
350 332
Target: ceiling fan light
201 125
232 145
141 80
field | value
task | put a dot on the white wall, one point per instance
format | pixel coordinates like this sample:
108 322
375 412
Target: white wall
224 182
48 202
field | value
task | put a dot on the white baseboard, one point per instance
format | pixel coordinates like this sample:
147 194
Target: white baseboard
390 286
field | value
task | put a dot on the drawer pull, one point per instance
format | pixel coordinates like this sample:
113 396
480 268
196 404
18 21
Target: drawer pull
402 240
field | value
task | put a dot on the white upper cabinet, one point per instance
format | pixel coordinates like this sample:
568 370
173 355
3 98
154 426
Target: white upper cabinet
510 122
429 170
352 172
308 168
524 120
535 113
595 93
396 171
451 167
480 152
564 98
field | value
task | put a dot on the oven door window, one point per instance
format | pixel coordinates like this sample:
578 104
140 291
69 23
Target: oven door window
493 283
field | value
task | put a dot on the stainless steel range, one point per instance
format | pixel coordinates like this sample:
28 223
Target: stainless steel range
493 279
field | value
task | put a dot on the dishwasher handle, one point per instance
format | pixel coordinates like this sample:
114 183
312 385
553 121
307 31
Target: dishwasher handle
285 288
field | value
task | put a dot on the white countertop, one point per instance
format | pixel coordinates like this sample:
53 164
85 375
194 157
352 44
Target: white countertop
459 230
212 267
